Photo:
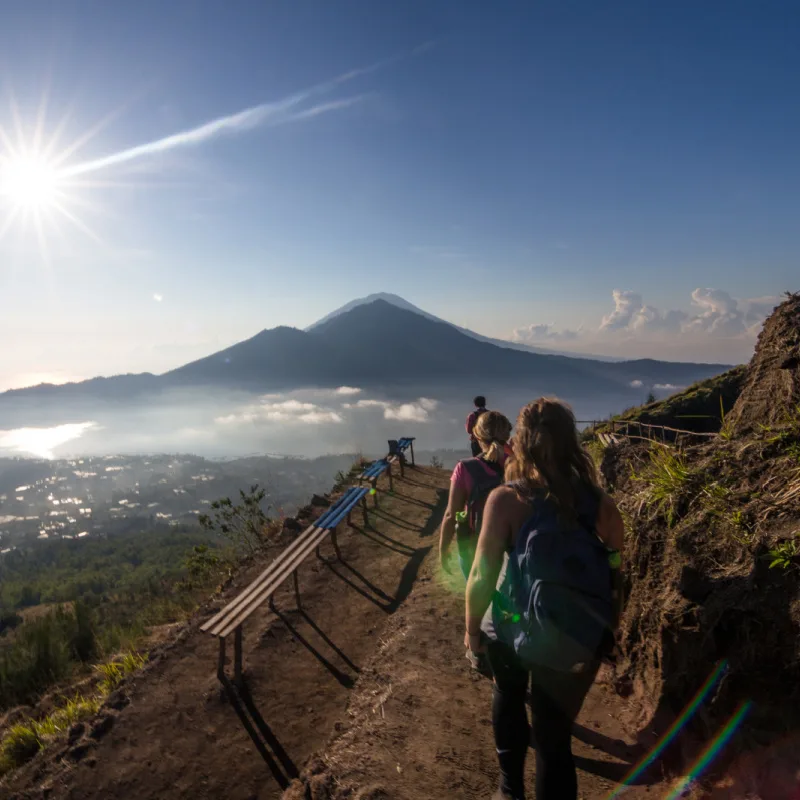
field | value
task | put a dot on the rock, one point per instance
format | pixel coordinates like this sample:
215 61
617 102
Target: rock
102 726
290 524
772 386
319 501
117 700
76 730
15 715
80 751
694 586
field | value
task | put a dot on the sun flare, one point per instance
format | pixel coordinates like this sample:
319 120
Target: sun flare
29 182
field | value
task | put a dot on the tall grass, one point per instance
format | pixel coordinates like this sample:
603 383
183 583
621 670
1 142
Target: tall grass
45 651
666 476
24 740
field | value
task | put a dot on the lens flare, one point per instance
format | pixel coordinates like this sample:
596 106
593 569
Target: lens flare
711 751
673 730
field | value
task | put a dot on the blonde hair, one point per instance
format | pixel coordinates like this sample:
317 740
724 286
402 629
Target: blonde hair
492 430
548 454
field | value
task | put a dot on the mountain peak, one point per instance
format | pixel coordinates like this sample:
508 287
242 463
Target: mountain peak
386 297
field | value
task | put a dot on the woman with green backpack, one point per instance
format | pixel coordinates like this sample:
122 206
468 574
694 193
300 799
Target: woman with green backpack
544 596
470 484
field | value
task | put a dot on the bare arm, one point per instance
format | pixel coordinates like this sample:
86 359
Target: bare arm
611 530
610 527
492 543
456 503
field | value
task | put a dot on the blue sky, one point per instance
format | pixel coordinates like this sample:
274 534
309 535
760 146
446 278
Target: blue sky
506 166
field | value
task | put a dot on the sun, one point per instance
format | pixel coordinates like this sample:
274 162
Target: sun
29 182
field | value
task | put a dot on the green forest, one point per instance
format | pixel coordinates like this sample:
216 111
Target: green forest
66 605
61 571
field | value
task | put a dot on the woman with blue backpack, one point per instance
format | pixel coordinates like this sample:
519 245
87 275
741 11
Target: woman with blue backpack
544 596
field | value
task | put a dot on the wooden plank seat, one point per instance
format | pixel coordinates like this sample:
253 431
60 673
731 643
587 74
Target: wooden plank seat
397 452
373 472
229 619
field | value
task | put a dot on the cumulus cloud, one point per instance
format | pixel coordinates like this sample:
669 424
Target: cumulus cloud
626 304
367 404
719 313
757 309
408 412
418 411
716 312
319 417
543 332
668 387
286 411
297 410
637 384
650 318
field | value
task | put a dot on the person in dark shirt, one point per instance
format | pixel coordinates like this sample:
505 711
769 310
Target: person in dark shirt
480 408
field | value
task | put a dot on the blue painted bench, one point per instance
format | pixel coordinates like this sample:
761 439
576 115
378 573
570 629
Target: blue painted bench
229 619
373 472
397 451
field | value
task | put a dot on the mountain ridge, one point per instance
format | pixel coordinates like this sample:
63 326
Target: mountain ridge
401 302
376 344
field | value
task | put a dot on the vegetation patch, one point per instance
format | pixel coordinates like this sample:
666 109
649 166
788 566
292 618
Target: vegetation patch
24 740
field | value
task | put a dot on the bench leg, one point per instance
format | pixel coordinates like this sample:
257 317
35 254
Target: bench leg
413 463
335 543
237 657
221 660
401 461
364 509
296 582
391 479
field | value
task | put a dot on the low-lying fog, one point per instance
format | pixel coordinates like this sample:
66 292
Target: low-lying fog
300 423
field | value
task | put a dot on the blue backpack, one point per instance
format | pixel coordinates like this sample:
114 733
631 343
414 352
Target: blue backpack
554 606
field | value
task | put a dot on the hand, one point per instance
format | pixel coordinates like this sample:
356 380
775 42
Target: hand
474 644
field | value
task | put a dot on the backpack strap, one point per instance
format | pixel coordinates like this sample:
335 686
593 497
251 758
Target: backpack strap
480 478
532 494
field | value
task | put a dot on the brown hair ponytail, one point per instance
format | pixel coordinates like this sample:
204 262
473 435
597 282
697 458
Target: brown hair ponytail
548 454
492 430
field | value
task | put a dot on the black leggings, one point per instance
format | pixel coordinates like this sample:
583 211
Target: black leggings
556 699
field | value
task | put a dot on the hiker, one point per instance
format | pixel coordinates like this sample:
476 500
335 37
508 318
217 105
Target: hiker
480 408
544 596
470 484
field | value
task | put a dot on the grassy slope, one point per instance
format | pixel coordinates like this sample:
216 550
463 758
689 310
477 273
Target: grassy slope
696 408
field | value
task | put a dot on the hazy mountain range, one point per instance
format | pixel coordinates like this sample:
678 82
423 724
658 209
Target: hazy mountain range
382 342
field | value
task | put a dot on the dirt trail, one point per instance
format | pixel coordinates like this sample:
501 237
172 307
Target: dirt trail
420 724
179 737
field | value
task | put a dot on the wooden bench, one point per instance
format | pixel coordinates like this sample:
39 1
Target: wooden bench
607 439
397 452
373 472
229 620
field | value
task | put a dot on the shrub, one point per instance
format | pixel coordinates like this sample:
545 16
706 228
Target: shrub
19 746
785 554
245 524
667 475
